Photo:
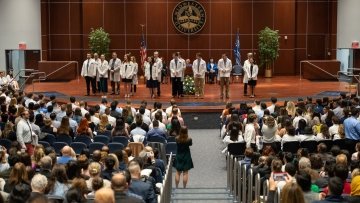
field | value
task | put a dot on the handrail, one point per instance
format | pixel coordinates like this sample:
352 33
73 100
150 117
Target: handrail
315 67
165 195
70 62
43 74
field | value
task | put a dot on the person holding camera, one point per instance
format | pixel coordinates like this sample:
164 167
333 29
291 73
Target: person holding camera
183 161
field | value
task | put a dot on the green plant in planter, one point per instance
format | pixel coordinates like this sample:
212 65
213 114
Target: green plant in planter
189 85
268 45
99 41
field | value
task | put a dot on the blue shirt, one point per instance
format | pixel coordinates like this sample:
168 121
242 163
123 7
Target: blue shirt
64 159
352 128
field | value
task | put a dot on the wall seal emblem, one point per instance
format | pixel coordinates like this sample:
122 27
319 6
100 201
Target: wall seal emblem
189 17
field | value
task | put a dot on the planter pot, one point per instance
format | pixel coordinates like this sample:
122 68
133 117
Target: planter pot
268 73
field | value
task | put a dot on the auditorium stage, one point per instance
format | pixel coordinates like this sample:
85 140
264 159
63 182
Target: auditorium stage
282 87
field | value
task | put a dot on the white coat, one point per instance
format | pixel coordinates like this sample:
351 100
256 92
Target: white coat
115 76
96 66
176 70
103 69
201 70
127 70
224 69
135 73
246 67
88 71
154 72
254 73
158 66
184 68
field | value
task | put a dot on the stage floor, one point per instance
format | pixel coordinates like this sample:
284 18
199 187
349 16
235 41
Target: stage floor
282 87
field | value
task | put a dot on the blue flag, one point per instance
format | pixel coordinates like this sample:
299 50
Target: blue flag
237 50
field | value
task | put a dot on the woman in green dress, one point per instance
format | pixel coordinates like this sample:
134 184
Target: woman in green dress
183 162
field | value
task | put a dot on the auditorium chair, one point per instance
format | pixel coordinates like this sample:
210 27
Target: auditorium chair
161 147
102 138
341 143
310 145
106 133
136 148
113 147
84 139
44 144
121 139
5 143
95 146
328 143
78 147
237 149
50 138
171 147
64 138
291 146
156 139
171 139
58 147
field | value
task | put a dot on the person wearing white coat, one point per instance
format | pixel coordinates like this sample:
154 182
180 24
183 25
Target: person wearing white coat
88 71
158 66
126 73
176 72
151 74
102 70
199 69
224 67
252 72
246 66
135 75
96 65
114 68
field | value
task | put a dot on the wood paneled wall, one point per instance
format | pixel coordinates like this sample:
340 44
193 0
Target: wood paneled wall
67 23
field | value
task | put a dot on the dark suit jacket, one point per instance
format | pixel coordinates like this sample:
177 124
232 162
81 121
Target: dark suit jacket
143 189
121 197
331 198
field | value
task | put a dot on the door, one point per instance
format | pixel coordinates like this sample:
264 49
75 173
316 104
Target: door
316 47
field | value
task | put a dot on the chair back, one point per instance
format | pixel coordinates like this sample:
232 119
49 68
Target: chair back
50 138
121 139
237 70
171 147
107 133
291 147
156 139
5 143
113 147
102 138
310 145
78 147
237 149
171 139
136 148
58 147
44 144
340 143
84 139
95 146
64 138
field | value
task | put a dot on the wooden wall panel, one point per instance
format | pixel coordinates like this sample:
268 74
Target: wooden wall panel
296 19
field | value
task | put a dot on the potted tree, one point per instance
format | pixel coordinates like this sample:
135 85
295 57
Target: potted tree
99 41
268 45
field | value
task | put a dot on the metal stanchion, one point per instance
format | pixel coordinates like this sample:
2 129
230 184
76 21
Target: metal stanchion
257 188
244 181
228 171
231 175
250 185
239 182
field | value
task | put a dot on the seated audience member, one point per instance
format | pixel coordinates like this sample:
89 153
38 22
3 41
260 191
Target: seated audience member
138 134
58 183
64 128
269 130
94 172
249 152
104 195
104 124
20 193
66 155
289 136
341 171
291 192
234 135
48 127
120 129
84 129
38 185
335 190
138 119
304 180
18 176
355 155
355 190
97 183
110 167
322 151
138 186
158 116
4 165
155 131
307 136
324 133
46 166
77 191
145 117
120 185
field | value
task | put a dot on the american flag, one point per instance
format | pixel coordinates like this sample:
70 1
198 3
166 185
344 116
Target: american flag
237 50
143 54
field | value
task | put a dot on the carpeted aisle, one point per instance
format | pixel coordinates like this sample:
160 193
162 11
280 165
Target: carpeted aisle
209 164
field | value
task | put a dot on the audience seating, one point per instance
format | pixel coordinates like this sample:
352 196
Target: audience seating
156 139
291 146
102 138
83 139
340 143
106 133
160 147
310 145
237 149
64 138
78 147
113 147
95 146
5 143
171 147
58 147
328 143
44 144
276 146
121 139
50 138
171 139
